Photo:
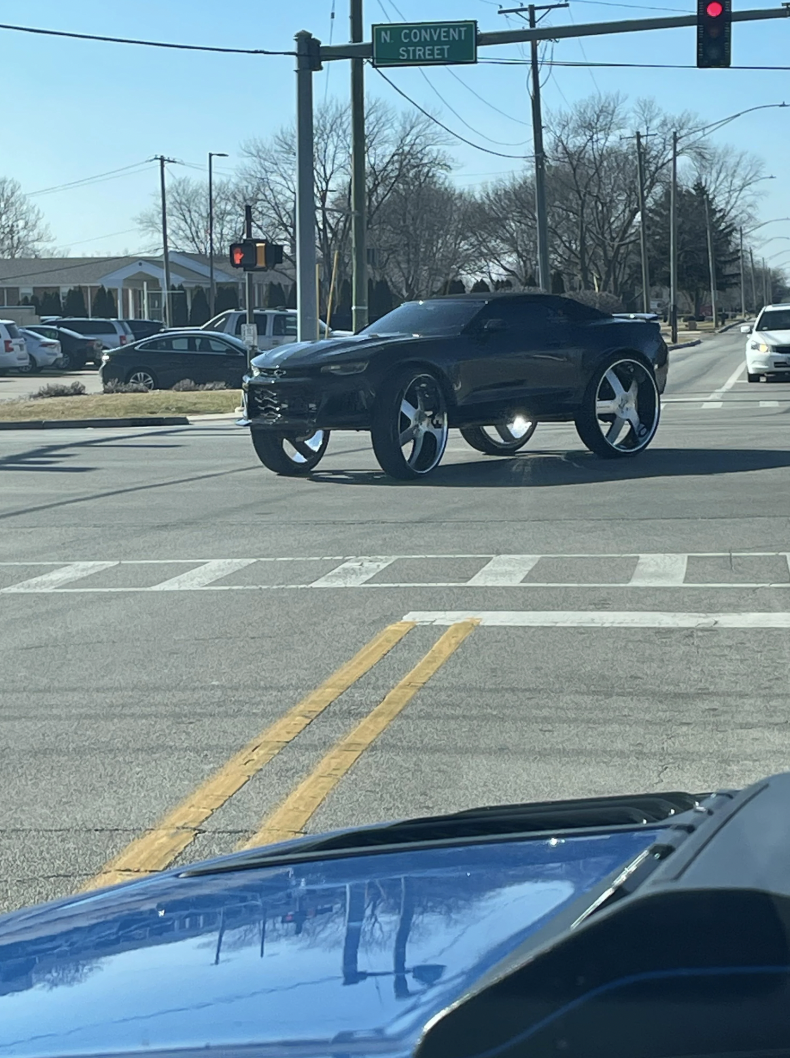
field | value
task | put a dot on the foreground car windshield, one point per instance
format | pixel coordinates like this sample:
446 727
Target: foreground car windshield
426 317
775 320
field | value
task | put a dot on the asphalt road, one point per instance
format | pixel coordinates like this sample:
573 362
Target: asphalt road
577 627
15 386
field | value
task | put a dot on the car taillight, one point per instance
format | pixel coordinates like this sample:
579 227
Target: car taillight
9 345
123 339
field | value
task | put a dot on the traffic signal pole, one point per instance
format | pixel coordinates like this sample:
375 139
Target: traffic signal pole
306 302
673 243
640 172
359 292
248 285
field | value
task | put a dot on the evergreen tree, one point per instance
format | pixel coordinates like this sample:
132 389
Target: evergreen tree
503 284
199 312
290 301
341 313
227 298
480 287
557 283
99 303
531 281
110 306
49 303
382 299
178 307
74 305
453 286
275 296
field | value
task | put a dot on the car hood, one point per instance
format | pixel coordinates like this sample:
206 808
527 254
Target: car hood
771 337
329 350
353 953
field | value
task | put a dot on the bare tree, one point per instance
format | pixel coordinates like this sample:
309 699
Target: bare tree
23 232
187 216
503 229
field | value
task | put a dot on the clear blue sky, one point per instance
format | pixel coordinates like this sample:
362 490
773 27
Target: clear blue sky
75 109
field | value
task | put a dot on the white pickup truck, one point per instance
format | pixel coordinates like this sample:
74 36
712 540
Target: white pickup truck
275 326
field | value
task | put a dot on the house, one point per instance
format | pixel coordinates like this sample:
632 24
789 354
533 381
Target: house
136 282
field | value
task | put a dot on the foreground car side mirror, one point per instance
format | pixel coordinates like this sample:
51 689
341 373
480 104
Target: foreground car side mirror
494 325
747 328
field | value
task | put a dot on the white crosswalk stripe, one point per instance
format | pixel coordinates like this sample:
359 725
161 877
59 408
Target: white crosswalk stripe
523 573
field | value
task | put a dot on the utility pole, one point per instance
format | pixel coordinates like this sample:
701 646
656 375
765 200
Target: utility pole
541 212
307 48
754 282
673 243
166 306
212 287
640 169
766 288
743 282
711 261
359 293
248 282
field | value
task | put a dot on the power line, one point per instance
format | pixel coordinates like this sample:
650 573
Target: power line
621 65
484 100
455 135
89 179
629 7
143 43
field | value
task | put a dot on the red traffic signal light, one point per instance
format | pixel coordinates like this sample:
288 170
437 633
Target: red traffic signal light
714 18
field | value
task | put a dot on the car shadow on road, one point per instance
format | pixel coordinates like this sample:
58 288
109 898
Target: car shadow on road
545 469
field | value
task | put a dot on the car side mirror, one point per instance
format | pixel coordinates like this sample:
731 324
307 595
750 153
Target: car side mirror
747 328
494 325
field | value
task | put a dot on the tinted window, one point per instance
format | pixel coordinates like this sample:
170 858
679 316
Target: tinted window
285 325
46 332
426 317
577 311
176 344
89 326
523 315
13 330
212 345
774 320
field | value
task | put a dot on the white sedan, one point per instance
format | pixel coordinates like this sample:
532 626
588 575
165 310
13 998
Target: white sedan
768 345
42 352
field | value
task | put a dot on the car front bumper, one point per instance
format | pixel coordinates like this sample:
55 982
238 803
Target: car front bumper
308 403
768 363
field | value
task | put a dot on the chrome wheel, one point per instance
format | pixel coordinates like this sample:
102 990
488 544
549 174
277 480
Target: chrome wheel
504 439
622 409
290 455
422 425
142 378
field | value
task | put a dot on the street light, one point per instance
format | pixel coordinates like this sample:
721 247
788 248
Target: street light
212 292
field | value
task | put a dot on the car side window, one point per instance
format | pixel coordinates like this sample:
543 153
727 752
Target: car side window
517 317
212 345
285 325
180 344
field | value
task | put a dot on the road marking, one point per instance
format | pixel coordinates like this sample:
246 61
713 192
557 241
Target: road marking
504 570
659 571
769 403
352 573
204 575
291 817
156 849
714 400
598 619
56 578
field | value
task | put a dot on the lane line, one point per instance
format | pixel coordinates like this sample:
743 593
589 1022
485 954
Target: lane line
714 400
659 571
58 577
396 585
598 619
156 849
352 573
504 570
769 403
204 575
291 817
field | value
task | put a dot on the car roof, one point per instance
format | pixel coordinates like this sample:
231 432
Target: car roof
490 295
782 305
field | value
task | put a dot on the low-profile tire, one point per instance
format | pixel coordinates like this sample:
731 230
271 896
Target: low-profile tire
621 407
32 367
141 376
501 440
410 424
753 378
291 455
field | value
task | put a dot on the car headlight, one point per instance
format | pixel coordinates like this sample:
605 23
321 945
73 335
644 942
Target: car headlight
105 358
761 347
255 371
355 367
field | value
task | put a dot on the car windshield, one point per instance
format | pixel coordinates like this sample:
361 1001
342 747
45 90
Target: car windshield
426 317
774 320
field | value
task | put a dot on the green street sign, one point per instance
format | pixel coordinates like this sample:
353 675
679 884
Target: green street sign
424 43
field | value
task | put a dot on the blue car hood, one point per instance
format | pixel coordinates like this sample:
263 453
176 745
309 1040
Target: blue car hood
350 955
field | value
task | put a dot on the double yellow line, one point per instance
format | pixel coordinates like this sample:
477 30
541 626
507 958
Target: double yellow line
156 849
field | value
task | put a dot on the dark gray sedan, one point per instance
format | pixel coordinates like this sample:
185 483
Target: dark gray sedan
163 360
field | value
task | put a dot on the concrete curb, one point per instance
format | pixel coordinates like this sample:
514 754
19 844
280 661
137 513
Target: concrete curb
92 424
685 345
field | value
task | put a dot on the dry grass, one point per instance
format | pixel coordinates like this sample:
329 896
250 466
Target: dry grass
121 405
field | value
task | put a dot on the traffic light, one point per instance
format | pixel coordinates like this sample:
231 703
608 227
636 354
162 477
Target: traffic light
255 256
714 20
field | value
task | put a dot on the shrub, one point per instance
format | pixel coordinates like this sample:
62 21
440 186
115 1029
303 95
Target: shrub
116 386
59 389
186 385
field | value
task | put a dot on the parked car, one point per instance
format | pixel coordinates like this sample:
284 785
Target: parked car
75 349
172 356
492 365
111 333
768 347
275 326
143 328
41 351
13 351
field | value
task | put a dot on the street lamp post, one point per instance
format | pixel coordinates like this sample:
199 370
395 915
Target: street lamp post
212 289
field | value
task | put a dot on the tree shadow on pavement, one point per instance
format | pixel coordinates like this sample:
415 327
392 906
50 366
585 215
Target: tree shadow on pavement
551 469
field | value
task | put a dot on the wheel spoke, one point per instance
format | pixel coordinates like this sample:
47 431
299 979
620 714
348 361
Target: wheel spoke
408 434
408 410
614 382
607 407
615 429
505 433
418 443
304 449
632 417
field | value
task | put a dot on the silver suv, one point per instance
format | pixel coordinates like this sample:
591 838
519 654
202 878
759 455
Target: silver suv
275 326
111 333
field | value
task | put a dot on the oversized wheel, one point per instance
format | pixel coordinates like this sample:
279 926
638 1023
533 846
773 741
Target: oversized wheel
503 439
410 424
31 368
621 408
292 454
753 378
141 376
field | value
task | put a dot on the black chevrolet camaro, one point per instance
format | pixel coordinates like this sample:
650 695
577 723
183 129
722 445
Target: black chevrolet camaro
493 366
